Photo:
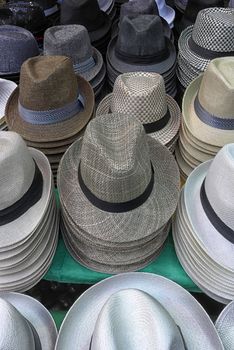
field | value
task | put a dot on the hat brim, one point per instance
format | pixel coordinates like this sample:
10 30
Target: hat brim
78 326
124 67
165 135
93 72
135 224
184 167
224 326
51 132
101 32
6 88
28 222
201 131
38 316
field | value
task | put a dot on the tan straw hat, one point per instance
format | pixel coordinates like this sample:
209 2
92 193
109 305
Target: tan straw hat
51 103
143 95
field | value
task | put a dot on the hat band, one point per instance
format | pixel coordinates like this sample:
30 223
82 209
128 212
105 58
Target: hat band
31 197
142 59
206 53
212 120
158 124
116 207
84 66
51 116
51 11
218 224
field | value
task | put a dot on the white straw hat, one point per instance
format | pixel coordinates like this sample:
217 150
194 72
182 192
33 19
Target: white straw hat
6 88
225 326
88 316
25 323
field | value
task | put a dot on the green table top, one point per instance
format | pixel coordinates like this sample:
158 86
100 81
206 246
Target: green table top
65 269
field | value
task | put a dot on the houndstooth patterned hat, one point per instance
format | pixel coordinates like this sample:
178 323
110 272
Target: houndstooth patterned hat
143 95
211 36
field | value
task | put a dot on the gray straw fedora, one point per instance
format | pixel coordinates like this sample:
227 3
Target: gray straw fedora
225 326
143 95
73 41
18 44
25 323
137 311
137 185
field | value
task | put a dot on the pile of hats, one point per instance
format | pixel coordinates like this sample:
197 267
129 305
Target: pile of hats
51 106
115 209
137 311
210 37
208 115
136 8
6 89
18 44
73 41
25 323
29 221
88 14
143 96
108 6
204 227
141 45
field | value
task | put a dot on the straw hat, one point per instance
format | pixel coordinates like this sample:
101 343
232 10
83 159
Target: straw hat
225 326
208 104
143 172
73 41
26 324
6 88
122 305
143 95
51 103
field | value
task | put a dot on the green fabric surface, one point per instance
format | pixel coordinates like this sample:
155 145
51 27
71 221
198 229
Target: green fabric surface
58 317
65 269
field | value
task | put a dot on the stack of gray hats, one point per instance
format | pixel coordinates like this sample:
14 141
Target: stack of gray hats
141 45
28 214
73 41
118 190
210 37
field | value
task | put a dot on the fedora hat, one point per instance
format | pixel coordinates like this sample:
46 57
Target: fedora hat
26 324
151 51
143 95
18 44
208 104
128 301
208 223
51 102
210 37
6 88
50 7
88 14
132 168
192 9
136 8
73 41
225 326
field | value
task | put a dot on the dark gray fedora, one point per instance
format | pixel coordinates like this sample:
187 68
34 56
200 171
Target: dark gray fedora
73 41
141 46
16 46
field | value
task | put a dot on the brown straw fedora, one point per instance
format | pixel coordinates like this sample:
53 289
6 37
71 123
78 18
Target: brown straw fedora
51 102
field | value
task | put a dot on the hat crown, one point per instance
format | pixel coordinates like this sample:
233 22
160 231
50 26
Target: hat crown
17 168
68 40
194 6
115 162
15 332
131 318
219 184
17 45
216 93
137 7
140 94
47 82
214 29
141 36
